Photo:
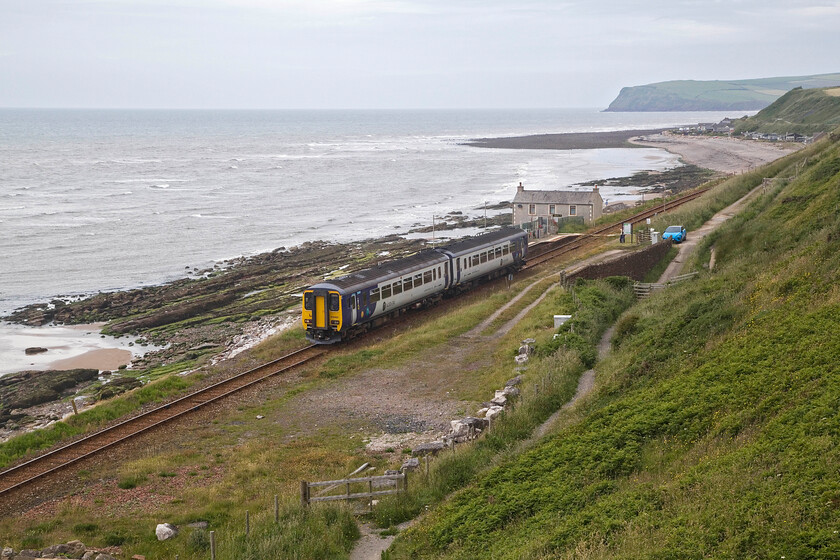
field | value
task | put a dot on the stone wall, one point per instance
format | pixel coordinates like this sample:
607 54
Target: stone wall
635 264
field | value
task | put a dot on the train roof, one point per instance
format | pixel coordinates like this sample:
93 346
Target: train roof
388 269
472 243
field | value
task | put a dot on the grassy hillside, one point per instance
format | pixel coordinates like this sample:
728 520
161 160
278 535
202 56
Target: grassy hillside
714 95
801 111
713 431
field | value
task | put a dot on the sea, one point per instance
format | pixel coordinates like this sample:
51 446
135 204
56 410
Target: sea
101 200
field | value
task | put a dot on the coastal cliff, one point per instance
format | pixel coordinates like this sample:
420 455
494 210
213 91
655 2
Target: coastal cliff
714 95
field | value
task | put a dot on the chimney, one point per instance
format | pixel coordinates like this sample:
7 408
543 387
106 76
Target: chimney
520 188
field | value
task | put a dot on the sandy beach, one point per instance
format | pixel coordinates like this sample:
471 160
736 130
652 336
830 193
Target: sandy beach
719 153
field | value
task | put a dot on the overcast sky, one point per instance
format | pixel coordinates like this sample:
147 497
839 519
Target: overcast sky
395 53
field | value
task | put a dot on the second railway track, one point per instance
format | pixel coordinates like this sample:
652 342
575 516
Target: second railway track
18 476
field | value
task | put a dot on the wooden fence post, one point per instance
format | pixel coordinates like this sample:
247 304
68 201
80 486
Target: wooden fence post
212 545
304 493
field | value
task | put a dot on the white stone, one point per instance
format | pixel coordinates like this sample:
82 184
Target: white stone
494 412
165 531
458 428
510 391
499 400
481 412
521 359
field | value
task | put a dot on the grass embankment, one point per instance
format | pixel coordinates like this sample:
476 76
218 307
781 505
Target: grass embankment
801 111
714 428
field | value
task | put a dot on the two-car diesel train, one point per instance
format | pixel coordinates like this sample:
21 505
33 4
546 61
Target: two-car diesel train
340 309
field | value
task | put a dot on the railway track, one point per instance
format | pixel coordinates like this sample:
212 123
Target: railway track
18 476
596 234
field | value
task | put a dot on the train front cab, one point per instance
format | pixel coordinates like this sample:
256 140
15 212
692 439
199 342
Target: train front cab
322 317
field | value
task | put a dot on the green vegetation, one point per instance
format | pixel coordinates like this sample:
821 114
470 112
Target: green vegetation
93 418
799 111
714 428
714 95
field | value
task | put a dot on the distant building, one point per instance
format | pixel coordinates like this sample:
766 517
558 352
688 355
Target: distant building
532 208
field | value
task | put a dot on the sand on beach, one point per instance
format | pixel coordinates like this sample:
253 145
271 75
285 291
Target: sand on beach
101 359
719 153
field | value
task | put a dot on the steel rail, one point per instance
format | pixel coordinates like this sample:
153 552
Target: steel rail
52 461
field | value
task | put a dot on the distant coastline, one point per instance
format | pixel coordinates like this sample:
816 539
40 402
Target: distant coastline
566 140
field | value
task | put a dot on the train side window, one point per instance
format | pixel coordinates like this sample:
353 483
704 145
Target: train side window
498 252
475 260
374 295
427 277
407 284
334 302
386 291
512 247
506 250
307 301
353 301
398 287
418 280
484 257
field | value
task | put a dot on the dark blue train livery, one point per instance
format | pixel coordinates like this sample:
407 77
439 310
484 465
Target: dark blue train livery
340 309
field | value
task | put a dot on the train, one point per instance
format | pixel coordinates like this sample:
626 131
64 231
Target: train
350 305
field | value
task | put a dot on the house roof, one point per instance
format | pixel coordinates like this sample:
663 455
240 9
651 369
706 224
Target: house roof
592 197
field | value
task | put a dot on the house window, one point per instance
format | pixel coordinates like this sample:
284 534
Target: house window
552 209
572 210
532 209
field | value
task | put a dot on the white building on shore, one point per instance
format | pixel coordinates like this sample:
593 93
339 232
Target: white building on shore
542 209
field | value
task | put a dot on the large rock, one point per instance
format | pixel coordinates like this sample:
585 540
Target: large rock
510 391
457 428
514 381
35 350
494 412
104 556
500 399
72 549
28 553
475 423
7 553
165 531
430 448
410 464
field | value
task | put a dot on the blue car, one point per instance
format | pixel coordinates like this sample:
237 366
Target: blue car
674 233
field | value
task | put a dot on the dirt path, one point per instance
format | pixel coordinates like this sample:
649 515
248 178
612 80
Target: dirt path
674 268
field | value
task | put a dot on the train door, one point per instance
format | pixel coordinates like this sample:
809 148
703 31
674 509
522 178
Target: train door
320 312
